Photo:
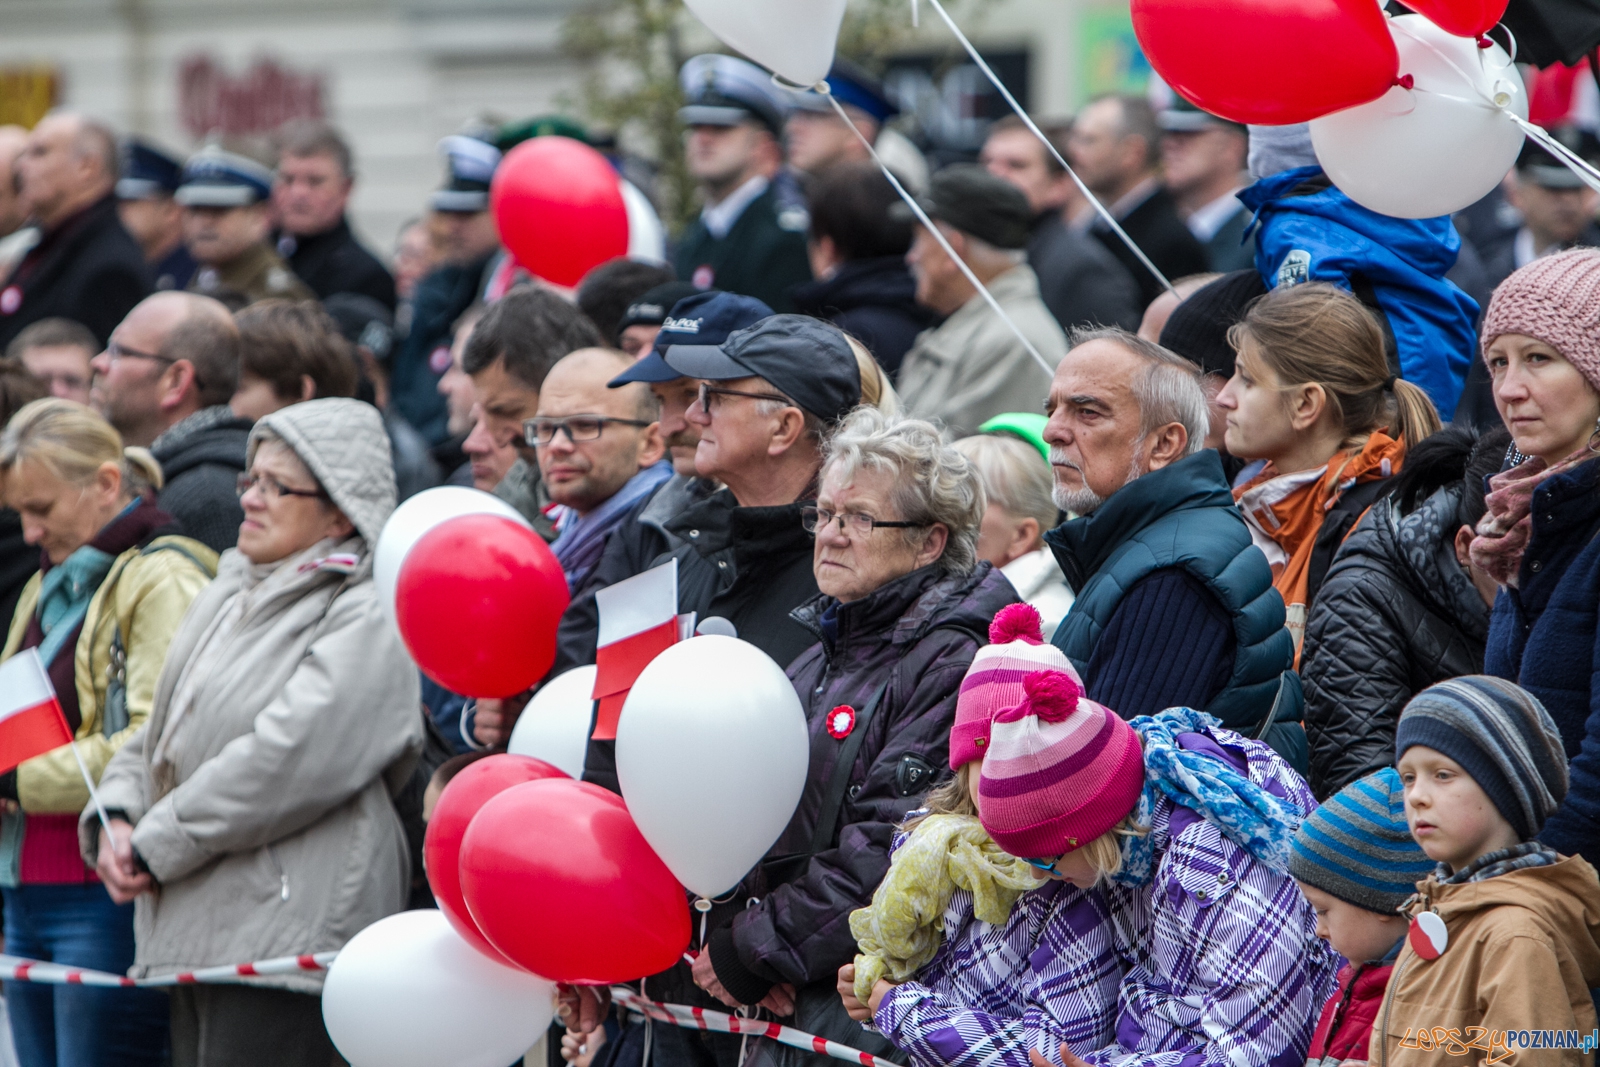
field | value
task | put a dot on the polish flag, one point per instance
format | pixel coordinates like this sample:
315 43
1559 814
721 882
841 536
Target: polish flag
638 621
31 722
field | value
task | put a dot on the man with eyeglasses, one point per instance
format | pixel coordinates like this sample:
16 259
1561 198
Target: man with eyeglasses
164 382
600 454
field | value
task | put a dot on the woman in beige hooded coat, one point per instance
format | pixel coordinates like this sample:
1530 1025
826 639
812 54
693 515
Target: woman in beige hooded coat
252 817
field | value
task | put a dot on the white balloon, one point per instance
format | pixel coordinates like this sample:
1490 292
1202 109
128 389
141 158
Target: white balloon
647 238
792 38
409 992
712 755
419 514
1437 147
554 726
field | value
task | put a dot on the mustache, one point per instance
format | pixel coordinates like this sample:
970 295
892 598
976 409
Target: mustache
1058 458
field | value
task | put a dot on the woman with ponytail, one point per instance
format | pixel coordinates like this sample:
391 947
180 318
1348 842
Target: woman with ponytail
115 580
1312 396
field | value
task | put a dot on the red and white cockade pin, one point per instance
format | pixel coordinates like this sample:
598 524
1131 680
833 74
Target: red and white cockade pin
841 720
1429 936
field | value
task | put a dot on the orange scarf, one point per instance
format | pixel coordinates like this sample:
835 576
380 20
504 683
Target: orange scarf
1285 513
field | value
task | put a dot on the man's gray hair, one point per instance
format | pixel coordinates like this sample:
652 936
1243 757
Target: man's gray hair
1167 389
932 482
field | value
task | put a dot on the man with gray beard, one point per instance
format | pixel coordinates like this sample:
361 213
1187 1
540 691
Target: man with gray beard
1175 606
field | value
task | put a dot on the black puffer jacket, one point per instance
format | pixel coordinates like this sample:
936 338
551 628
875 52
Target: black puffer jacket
913 639
1395 615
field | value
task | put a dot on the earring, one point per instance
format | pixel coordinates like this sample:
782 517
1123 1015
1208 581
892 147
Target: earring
1594 438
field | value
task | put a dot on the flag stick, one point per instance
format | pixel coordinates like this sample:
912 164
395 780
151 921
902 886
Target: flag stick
94 794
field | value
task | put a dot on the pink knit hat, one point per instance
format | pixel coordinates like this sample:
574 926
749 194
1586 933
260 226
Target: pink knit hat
1557 300
1060 770
994 681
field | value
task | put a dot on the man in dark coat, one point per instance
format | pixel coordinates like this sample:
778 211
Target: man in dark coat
471 242
1203 167
86 267
1081 282
1557 208
146 206
750 236
311 194
164 382
1115 148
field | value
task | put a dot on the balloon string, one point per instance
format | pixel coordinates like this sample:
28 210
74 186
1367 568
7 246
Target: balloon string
922 217
1024 116
916 14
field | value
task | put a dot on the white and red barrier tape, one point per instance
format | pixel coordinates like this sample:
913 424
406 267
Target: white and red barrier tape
722 1022
17 969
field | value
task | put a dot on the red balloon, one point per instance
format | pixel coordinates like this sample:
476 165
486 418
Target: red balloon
1464 18
560 880
478 601
1266 61
467 793
558 206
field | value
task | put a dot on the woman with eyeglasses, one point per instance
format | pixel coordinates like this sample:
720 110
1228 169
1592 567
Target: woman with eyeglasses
114 583
904 605
252 817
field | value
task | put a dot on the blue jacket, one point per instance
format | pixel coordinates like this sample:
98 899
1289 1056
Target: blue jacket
1184 516
1308 231
1544 636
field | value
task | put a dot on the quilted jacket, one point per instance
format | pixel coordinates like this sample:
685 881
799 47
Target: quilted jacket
1395 614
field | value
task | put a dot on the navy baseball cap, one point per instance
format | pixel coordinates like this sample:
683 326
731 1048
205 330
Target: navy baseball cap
706 318
804 358
147 172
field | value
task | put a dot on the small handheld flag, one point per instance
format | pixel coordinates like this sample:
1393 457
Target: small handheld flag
31 722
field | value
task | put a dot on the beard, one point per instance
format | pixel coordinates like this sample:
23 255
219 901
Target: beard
1083 500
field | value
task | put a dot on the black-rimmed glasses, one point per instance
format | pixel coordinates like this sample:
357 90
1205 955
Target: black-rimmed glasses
117 351
707 391
541 431
856 522
272 489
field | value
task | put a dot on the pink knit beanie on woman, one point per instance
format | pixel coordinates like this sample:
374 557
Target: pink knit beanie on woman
1555 299
1059 770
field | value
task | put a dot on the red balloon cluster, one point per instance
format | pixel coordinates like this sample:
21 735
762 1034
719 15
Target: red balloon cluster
1274 64
478 601
551 875
559 207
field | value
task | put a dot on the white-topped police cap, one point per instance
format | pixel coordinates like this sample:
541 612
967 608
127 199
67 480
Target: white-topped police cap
216 178
471 163
725 91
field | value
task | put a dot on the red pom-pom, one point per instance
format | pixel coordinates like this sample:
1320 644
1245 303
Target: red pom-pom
1052 695
1016 622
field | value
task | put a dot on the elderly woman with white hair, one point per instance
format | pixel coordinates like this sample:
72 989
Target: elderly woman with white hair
905 603
1017 480
252 816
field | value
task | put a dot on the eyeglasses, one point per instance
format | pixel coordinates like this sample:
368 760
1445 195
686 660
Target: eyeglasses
707 391
815 519
542 431
272 489
116 351
1048 866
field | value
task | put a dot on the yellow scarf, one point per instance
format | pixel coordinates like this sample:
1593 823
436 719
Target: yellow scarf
901 930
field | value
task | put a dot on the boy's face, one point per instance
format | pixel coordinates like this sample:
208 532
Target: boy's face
1450 815
1359 935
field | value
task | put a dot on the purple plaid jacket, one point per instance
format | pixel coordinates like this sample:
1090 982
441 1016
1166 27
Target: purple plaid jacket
1223 962
1048 975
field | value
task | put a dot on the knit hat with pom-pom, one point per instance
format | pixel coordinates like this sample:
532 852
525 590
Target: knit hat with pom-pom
994 681
1059 771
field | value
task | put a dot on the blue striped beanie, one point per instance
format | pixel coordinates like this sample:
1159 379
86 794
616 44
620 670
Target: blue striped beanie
1358 847
1501 735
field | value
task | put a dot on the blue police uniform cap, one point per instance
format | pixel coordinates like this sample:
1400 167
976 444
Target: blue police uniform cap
147 172
853 87
724 91
706 318
472 164
215 178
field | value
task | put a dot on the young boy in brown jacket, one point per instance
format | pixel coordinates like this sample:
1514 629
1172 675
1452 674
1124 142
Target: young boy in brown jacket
1502 950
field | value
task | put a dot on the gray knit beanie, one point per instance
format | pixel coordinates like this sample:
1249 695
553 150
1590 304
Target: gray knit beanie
1501 735
1275 149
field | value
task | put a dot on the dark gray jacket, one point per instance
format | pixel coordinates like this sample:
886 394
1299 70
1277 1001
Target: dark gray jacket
202 458
1082 284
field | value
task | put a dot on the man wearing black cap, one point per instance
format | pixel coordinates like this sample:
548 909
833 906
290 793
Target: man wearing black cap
149 179
1203 166
315 174
226 219
1081 283
641 324
470 244
750 236
607 292
974 367
1557 208
85 267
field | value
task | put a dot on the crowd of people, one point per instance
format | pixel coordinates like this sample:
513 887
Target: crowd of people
1199 663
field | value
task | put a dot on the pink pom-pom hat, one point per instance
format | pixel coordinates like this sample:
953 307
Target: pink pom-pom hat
994 681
